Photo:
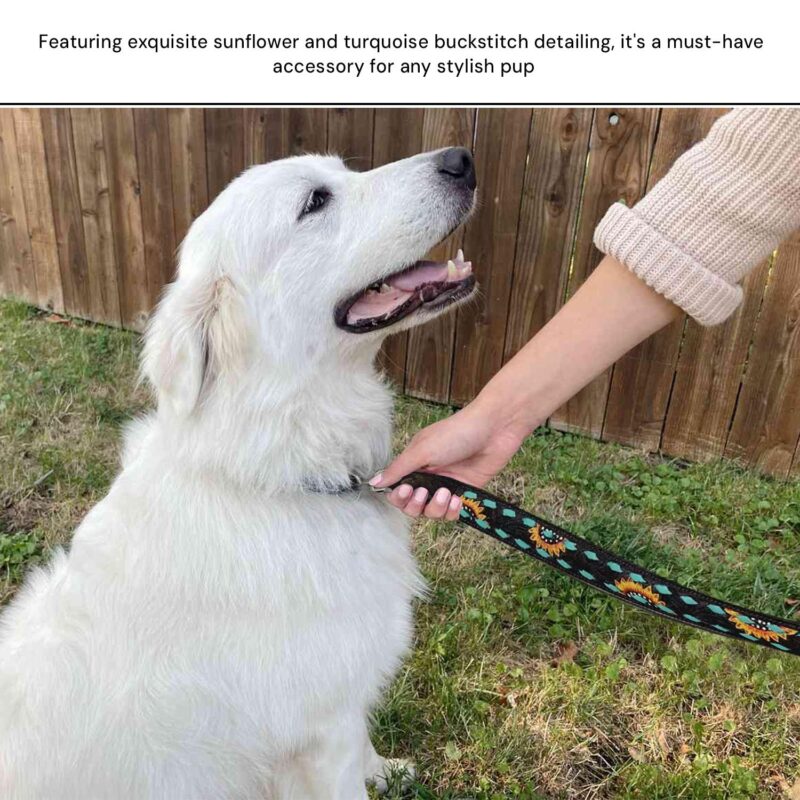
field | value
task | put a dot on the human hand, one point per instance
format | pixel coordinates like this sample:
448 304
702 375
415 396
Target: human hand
472 445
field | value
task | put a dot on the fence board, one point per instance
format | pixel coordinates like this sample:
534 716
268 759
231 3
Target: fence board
155 177
126 216
294 131
559 141
39 210
224 147
90 162
62 171
766 425
430 347
708 376
397 134
187 144
350 134
15 243
490 243
255 136
642 380
620 149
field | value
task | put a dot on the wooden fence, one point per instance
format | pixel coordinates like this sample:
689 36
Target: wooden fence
93 203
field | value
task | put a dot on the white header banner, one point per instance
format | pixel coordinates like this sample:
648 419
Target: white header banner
404 53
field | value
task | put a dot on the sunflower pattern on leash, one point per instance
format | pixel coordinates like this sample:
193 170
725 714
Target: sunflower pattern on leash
607 572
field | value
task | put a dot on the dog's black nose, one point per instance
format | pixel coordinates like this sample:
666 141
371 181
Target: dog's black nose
457 162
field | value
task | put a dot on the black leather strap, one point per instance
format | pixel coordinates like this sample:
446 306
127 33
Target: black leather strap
586 562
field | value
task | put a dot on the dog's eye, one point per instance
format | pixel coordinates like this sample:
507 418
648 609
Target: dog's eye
316 200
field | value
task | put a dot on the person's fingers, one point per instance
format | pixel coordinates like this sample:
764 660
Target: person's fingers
437 507
453 508
400 496
411 459
416 503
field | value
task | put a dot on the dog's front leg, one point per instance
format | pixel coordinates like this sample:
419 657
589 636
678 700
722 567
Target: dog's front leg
383 772
332 767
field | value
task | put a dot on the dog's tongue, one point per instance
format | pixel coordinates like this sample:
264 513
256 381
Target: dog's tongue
399 288
426 272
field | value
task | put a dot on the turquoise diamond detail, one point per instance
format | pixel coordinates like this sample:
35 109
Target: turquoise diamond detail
501 533
591 555
471 495
570 545
542 553
507 512
612 565
661 589
635 576
528 522
523 544
690 601
587 575
490 503
564 563
716 609
691 618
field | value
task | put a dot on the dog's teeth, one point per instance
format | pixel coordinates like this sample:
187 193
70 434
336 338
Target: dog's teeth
385 288
460 255
452 270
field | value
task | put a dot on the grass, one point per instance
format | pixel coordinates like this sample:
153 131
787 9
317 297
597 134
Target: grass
522 684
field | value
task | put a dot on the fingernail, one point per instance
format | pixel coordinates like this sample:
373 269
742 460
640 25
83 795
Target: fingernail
404 491
455 502
376 480
420 495
441 495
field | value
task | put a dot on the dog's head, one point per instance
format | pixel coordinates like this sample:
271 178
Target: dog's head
302 258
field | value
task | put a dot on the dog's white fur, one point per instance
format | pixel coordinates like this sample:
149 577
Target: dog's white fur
217 630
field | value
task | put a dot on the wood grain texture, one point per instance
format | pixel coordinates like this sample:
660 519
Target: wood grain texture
155 178
350 134
620 150
255 135
187 142
293 132
39 210
101 266
766 424
126 215
16 255
559 141
430 347
642 380
65 197
224 147
490 243
397 134
708 376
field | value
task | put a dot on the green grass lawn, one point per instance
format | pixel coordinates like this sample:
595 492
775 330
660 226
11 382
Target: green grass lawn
522 684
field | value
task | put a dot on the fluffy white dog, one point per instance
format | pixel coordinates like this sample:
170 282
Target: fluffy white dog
228 615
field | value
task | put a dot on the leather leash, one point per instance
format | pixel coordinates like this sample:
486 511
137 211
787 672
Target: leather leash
607 572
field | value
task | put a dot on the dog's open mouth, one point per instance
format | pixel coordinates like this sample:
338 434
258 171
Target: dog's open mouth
426 284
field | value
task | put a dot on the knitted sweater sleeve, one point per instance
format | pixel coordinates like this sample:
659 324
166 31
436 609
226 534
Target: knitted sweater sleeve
724 206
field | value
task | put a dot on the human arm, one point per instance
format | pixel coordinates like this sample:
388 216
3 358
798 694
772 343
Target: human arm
610 313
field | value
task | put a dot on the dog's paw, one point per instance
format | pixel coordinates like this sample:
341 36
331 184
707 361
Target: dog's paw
394 773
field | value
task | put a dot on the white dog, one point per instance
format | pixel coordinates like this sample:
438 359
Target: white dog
228 615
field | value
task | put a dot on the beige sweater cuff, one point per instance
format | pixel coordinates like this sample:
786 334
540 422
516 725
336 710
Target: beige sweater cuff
664 267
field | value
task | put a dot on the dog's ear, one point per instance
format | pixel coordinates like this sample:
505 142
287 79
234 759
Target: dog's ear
193 335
